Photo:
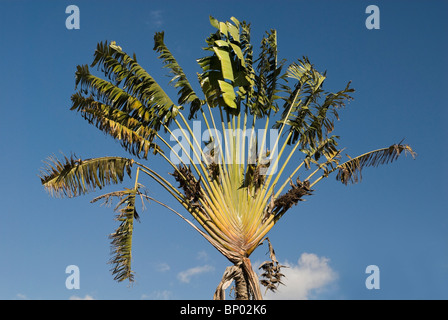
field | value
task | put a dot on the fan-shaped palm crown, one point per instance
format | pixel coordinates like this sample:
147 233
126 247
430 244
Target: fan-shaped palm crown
238 178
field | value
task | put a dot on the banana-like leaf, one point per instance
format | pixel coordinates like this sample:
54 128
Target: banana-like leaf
133 135
245 80
226 69
228 94
109 94
124 70
310 119
305 72
121 249
235 204
186 92
350 171
327 147
297 111
320 119
267 77
73 176
226 62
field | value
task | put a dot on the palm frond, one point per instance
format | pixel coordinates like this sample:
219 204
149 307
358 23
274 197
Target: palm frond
125 71
121 243
304 72
268 74
225 69
236 201
307 90
121 195
105 91
326 147
134 136
310 118
186 92
350 171
73 176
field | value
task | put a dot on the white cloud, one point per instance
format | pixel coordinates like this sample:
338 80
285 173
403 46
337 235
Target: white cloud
163 267
157 295
202 255
21 296
155 18
86 297
185 276
310 274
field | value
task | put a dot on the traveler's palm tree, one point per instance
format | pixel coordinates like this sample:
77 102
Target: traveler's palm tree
234 187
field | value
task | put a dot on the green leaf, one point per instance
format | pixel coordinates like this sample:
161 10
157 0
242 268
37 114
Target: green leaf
73 176
214 22
186 92
235 21
305 72
234 32
226 63
133 134
228 94
221 43
125 71
223 28
266 79
239 53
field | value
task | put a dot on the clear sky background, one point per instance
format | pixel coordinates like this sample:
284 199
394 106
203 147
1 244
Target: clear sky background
396 218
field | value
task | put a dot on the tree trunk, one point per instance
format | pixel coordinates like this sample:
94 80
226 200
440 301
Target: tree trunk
241 287
247 285
251 278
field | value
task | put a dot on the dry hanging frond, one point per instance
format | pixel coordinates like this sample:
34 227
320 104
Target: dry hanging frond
292 197
350 171
188 183
122 239
271 271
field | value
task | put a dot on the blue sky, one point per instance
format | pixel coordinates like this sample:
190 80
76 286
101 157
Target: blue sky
396 218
